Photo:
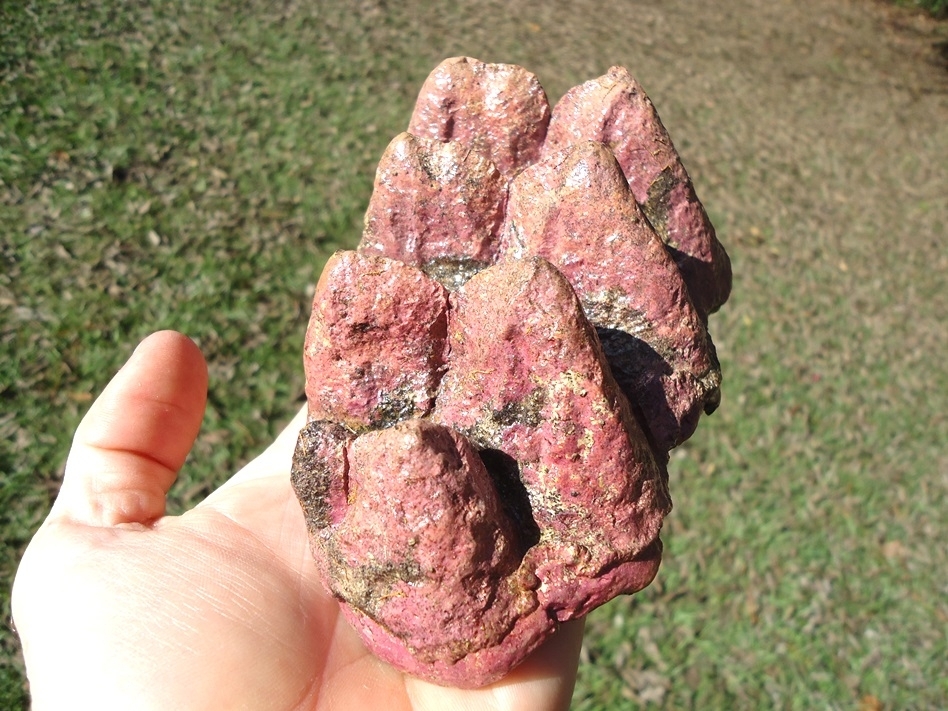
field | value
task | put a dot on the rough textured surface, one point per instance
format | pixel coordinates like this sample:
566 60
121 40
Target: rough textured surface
574 208
415 497
438 206
530 495
374 347
496 376
615 111
499 110
527 380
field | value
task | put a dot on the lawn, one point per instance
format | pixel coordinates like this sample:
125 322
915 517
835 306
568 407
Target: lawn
190 165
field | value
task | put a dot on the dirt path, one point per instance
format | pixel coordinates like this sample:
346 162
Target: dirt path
833 107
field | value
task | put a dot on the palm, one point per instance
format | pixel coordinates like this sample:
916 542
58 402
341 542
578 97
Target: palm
218 608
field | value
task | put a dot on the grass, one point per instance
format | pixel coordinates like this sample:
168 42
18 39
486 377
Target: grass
190 165
146 184
938 8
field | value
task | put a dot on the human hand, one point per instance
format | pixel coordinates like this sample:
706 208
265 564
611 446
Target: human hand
119 606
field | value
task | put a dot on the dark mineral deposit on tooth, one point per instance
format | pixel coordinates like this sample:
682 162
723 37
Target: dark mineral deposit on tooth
495 377
575 209
499 110
374 348
615 111
438 206
319 475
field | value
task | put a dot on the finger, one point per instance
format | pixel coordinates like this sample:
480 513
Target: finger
545 680
131 444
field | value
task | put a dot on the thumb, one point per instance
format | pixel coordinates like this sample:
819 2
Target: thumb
128 449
